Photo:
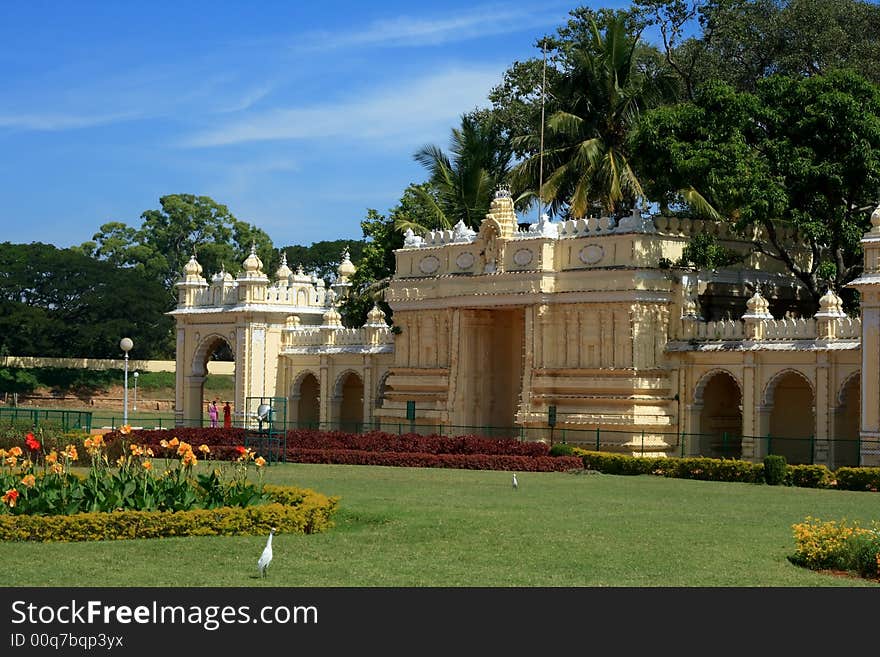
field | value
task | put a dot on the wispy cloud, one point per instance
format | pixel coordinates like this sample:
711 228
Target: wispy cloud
54 122
480 21
401 110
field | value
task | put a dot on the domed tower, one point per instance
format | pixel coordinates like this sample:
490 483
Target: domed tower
192 283
252 282
283 273
344 272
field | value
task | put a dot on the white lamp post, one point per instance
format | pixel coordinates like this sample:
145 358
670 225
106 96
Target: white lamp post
125 344
135 405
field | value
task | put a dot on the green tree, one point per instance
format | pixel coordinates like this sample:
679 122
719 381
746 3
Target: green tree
743 41
168 237
800 156
462 183
609 78
61 303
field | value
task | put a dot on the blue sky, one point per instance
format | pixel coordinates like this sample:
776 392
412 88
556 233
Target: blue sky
299 116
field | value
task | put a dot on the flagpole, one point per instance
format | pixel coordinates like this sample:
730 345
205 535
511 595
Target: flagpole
541 152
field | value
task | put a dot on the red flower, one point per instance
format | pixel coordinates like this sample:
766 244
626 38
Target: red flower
241 450
10 497
32 442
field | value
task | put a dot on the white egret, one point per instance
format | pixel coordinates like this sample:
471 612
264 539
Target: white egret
515 483
266 557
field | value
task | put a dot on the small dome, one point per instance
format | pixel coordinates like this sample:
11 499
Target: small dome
283 272
375 317
875 219
757 305
332 318
830 305
252 264
192 268
346 267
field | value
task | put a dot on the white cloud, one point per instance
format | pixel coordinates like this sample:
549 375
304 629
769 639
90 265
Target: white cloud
395 111
53 122
481 21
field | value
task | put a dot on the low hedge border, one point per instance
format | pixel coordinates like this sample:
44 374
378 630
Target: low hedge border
707 469
292 511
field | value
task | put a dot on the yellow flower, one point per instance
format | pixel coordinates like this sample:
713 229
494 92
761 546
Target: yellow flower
125 429
57 468
3 454
52 457
204 449
189 459
259 461
70 452
136 450
29 480
163 443
148 465
184 448
149 451
11 461
120 461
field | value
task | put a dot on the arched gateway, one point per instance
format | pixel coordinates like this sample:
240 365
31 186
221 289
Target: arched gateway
499 329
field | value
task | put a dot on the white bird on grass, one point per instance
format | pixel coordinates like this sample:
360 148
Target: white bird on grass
515 483
266 557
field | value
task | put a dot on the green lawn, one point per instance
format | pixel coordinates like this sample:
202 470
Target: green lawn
438 527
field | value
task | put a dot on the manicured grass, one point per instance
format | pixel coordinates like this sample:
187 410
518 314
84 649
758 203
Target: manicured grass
439 527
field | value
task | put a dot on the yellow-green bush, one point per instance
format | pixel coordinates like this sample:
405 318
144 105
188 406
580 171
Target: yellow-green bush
292 510
837 545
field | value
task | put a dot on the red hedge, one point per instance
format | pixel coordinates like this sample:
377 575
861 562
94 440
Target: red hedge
379 448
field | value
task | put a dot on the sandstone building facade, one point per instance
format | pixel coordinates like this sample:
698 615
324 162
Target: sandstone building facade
578 331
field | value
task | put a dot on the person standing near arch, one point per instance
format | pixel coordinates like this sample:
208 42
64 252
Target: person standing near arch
227 416
213 413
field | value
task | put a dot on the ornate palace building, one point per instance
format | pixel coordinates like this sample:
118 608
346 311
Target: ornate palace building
578 329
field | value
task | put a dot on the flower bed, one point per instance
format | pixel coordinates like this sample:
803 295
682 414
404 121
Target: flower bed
838 545
146 493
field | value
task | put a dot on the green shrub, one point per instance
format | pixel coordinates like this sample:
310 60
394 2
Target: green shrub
857 479
561 449
809 476
775 468
292 510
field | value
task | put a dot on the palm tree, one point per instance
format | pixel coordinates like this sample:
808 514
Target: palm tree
461 185
611 79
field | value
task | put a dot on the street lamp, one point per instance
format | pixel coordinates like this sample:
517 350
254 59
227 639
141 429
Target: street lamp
125 344
135 406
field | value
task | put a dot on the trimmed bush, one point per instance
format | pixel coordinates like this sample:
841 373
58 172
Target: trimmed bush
775 467
809 476
561 449
292 510
858 479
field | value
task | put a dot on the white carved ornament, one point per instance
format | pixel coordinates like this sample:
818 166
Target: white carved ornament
465 260
523 257
429 264
591 254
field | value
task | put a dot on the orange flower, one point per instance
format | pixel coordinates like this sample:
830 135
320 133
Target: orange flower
29 480
189 459
11 461
204 449
10 497
259 461
173 442
52 457
148 465
184 448
87 443
163 443
98 441
148 451
125 429
70 452
57 468
15 451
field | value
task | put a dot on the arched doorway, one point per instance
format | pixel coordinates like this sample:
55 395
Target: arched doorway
307 397
847 421
720 400
212 377
792 423
350 394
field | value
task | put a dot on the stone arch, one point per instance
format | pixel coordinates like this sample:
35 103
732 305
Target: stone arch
305 397
847 422
348 401
790 399
381 389
718 400
195 409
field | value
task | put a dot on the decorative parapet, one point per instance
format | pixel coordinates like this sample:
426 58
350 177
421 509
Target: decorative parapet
313 338
769 330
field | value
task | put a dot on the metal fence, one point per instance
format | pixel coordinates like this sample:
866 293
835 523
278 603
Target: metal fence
36 418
